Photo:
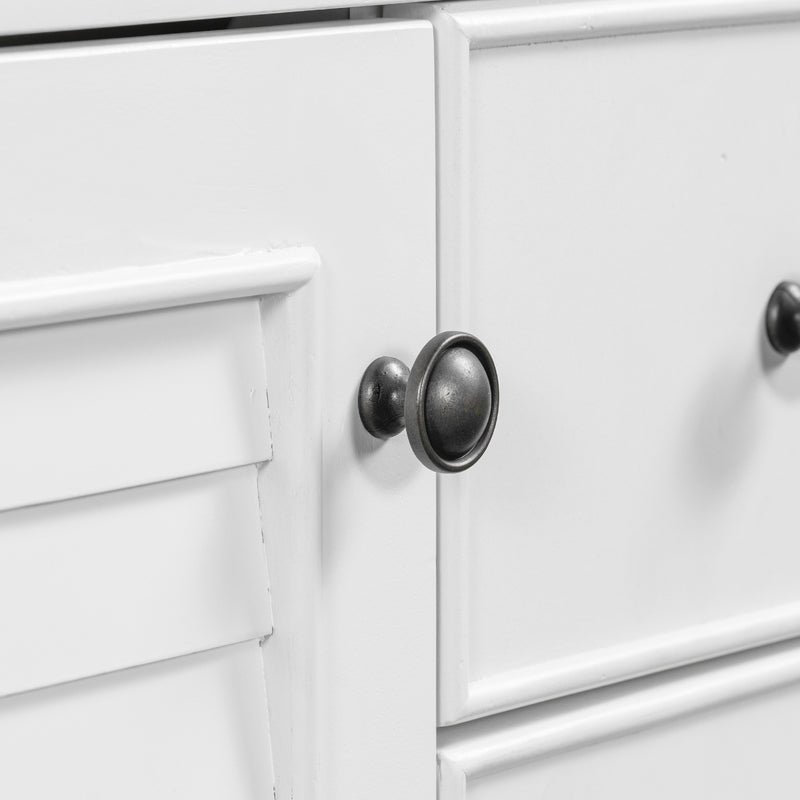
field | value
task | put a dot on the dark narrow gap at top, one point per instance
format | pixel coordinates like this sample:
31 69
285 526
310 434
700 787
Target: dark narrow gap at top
165 28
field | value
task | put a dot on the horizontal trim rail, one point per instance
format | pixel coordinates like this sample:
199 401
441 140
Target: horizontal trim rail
502 743
512 689
44 301
495 25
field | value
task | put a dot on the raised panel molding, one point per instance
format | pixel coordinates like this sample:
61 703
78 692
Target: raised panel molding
45 301
486 24
485 747
459 29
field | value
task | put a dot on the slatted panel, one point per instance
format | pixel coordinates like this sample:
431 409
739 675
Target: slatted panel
194 727
103 404
124 578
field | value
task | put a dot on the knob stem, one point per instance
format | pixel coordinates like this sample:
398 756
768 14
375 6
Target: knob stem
382 397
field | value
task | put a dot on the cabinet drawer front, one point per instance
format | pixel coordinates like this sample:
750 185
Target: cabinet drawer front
724 730
190 727
90 406
125 578
615 213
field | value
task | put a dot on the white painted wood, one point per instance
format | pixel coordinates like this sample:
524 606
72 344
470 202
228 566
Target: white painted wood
625 226
639 657
453 164
90 406
125 578
725 729
292 489
126 290
254 140
351 531
191 185
487 23
190 727
453 313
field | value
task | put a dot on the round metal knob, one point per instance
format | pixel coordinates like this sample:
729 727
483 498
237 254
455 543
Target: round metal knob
783 318
447 401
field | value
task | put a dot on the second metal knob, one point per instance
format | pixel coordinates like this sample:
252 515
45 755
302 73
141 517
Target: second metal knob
782 318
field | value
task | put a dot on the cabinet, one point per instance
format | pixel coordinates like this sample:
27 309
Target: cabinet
208 567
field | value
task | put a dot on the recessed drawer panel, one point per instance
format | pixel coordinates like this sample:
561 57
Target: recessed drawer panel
191 727
95 405
615 213
118 579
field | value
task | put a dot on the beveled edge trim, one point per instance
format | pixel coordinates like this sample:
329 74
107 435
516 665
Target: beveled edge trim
49 300
494 745
515 688
488 26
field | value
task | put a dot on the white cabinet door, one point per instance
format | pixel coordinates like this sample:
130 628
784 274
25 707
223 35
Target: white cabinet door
218 151
615 213
726 729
